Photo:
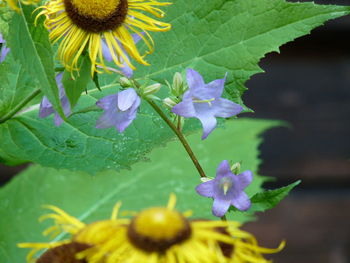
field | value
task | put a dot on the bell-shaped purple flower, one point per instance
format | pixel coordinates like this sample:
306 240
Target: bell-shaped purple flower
125 69
204 102
227 189
46 107
120 109
3 49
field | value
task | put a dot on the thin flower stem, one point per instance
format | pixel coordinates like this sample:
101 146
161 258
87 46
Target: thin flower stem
179 135
179 123
20 105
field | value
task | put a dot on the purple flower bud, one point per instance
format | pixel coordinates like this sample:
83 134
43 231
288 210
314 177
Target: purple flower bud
120 109
126 69
204 102
227 189
46 107
3 49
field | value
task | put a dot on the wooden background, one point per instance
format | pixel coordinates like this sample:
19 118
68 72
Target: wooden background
308 85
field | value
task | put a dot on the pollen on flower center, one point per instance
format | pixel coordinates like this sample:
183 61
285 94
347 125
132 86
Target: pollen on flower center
97 15
157 229
96 8
225 184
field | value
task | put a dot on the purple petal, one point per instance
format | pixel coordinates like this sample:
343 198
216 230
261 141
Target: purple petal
108 119
45 108
136 104
205 189
223 169
216 87
126 99
4 51
208 123
185 108
105 51
225 108
241 202
127 70
124 120
244 179
58 120
58 78
136 37
220 207
194 80
108 102
66 106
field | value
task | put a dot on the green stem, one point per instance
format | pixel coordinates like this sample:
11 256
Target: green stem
179 135
223 218
20 106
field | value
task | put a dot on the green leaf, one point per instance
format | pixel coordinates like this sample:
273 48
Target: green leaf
215 37
31 46
15 86
269 199
74 87
91 198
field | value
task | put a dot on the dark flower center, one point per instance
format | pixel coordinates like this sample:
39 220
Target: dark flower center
63 254
91 20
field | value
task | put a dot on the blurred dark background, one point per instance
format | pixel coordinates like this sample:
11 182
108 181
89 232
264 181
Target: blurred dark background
307 85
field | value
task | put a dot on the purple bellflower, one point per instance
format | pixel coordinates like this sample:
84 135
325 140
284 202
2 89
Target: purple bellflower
204 102
126 69
46 107
3 49
227 189
120 109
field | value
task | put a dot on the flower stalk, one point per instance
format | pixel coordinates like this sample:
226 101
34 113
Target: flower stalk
179 135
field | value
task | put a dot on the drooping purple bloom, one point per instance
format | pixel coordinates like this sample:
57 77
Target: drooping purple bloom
4 50
227 189
204 102
120 109
126 69
46 107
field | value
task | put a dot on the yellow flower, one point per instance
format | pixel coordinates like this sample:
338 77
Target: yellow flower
154 235
104 28
14 3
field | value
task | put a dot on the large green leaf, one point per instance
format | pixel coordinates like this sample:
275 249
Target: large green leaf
91 198
30 44
213 37
220 36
